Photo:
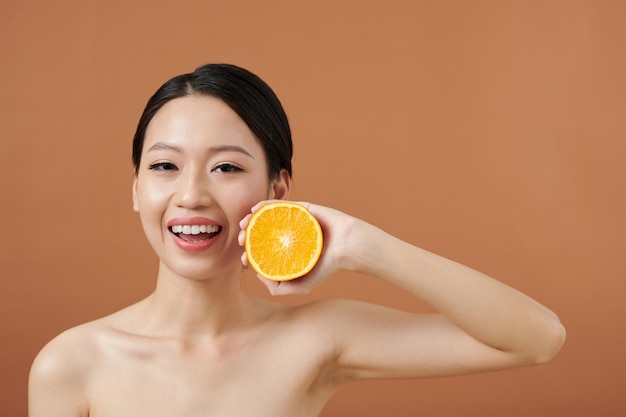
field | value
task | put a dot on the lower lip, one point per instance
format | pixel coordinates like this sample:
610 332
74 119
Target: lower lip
193 246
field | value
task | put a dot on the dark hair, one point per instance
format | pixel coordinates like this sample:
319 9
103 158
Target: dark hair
249 96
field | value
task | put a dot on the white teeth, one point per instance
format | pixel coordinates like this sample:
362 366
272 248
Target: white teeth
194 229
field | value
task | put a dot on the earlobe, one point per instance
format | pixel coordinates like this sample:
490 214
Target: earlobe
135 203
281 186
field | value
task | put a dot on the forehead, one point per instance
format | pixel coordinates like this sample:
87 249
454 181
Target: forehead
198 121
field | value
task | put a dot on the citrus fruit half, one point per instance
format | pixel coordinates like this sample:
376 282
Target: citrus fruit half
283 241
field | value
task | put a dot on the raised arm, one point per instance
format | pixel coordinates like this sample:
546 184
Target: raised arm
482 323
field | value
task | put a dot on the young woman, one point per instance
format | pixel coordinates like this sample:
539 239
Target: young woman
211 146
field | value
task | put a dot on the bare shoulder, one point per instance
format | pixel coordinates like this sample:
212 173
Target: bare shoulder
59 373
332 320
317 325
74 351
68 354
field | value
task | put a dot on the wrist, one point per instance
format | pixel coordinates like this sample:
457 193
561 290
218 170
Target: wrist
362 247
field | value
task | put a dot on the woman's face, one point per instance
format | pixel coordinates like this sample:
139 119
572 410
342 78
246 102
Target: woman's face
201 171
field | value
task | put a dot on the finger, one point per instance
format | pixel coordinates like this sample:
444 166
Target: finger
259 205
244 260
293 287
272 286
243 223
306 204
241 237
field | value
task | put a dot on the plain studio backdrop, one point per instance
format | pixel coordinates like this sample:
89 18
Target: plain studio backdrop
491 132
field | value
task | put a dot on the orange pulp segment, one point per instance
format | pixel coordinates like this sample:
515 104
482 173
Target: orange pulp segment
283 241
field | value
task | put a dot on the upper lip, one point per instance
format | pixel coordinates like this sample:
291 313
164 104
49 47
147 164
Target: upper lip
191 221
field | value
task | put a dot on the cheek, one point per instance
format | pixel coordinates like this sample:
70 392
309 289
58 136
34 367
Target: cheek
147 196
149 202
243 199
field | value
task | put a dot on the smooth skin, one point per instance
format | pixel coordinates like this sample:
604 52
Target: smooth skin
200 346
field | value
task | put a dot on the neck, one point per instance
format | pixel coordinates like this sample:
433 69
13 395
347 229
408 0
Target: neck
181 307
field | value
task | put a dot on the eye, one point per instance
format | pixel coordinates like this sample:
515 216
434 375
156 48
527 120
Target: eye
227 168
162 166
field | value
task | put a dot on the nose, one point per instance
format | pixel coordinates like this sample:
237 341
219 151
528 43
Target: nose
193 190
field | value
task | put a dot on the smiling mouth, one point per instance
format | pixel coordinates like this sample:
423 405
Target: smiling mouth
195 233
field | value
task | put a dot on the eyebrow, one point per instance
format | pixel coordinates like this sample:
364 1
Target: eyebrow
230 148
160 146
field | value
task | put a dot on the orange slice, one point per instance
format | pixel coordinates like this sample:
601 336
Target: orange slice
283 241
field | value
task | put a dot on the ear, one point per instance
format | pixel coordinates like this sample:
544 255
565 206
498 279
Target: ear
135 203
281 186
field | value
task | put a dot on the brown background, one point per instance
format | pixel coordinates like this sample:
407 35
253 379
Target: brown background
491 132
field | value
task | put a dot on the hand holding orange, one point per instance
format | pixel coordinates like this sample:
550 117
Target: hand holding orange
283 241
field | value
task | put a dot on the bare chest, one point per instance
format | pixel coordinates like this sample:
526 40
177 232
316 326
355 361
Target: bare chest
256 379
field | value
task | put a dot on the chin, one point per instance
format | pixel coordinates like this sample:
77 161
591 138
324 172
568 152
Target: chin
204 270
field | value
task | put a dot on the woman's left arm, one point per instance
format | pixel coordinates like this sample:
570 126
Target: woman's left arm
482 324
